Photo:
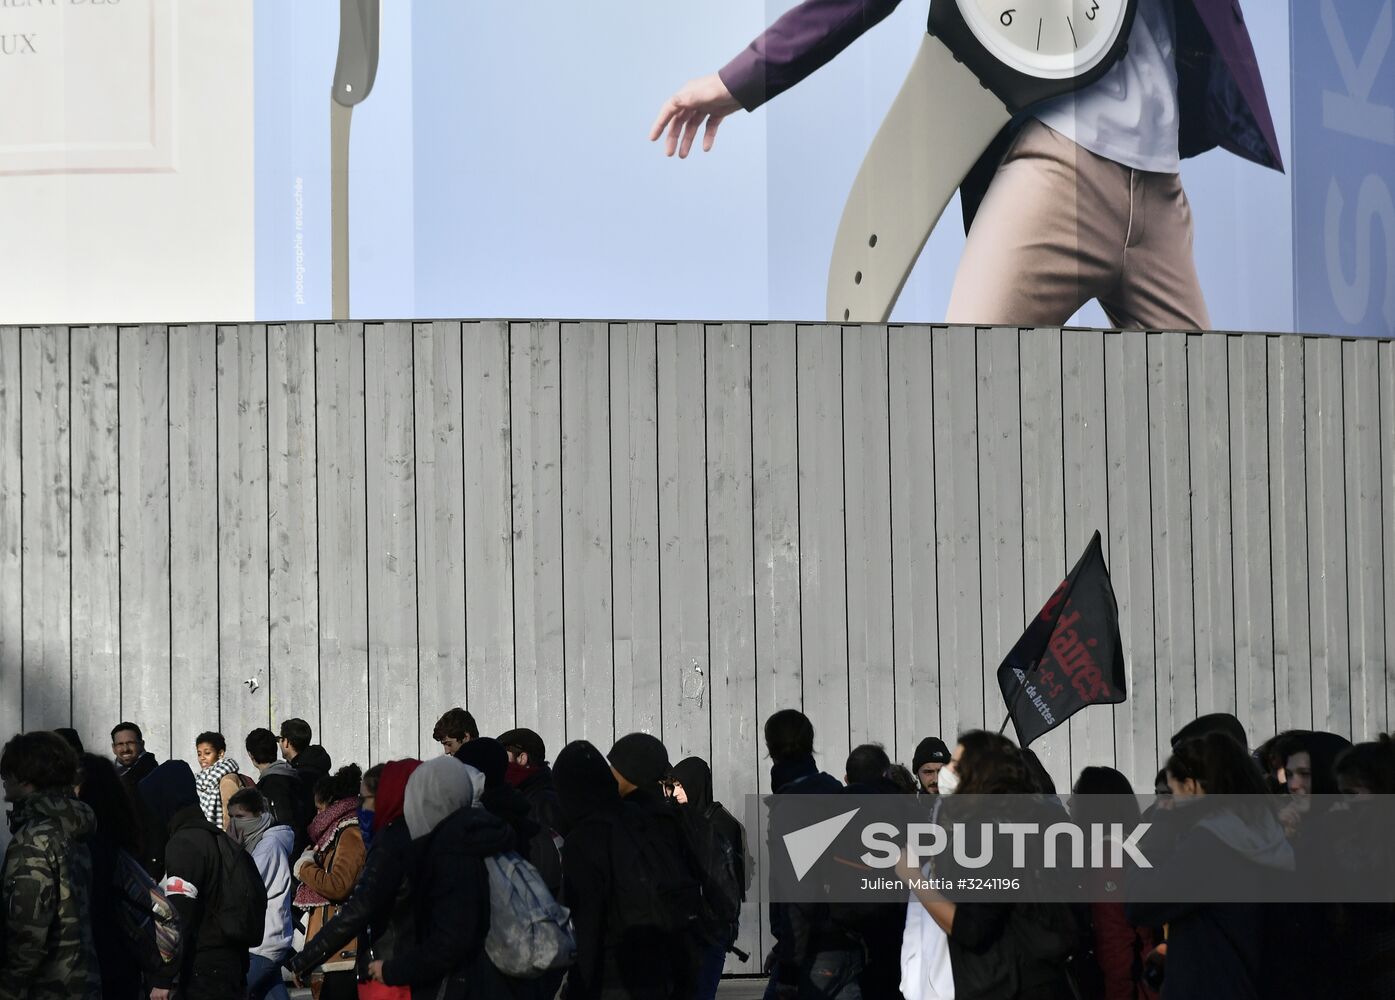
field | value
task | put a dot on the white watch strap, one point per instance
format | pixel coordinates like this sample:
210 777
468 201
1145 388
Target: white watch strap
938 126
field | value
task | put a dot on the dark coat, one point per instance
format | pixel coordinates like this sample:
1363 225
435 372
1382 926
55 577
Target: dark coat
311 765
191 858
1006 949
1213 949
121 971
378 911
291 803
444 958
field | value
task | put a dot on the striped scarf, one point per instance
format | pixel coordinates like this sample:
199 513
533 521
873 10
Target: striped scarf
324 831
210 798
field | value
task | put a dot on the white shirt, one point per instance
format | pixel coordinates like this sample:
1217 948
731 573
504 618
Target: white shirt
1130 114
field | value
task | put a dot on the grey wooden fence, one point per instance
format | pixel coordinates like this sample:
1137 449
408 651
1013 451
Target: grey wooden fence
594 528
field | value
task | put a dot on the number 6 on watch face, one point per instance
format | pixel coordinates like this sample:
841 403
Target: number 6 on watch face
1051 39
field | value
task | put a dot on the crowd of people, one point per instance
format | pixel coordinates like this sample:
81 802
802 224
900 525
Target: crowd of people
129 877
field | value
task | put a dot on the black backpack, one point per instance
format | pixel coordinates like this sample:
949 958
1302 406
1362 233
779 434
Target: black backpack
657 885
720 868
240 901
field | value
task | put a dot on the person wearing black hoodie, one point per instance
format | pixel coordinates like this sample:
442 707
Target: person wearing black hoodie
639 763
528 771
692 789
117 830
805 936
1213 949
445 959
489 757
881 925
310 762
214 968
615 956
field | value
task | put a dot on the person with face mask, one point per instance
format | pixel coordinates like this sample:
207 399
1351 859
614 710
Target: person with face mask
986 957
270 847
378 911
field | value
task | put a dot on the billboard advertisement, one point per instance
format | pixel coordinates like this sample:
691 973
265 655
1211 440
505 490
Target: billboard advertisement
175 162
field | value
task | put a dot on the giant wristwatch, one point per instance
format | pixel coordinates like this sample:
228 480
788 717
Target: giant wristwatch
981 63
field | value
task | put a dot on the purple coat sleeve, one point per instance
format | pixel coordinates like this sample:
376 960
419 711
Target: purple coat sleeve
803 39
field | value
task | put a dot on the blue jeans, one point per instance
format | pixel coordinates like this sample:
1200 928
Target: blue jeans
712 959
264 978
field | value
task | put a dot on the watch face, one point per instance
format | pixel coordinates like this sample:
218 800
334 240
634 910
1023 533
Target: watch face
1051 39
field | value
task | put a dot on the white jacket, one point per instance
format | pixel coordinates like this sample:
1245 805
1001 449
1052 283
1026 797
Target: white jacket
925 969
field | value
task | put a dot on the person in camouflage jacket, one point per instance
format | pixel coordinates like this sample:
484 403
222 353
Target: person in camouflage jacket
45 931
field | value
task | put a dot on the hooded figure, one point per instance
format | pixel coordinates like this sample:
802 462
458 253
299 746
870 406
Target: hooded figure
591 805
491 759
451 836
1213 949
378 911
193 878
436 789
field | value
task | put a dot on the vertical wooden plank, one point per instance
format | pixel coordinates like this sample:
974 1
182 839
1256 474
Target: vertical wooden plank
871 665
490 478
1254 570
393 727
912 455
822 552
736 731
1209 435
586 550
442 621
1131 550
1044 505
340 471
145 535
775 498
46 568
1174 640
1386 352
1366 555
999 415
244 623
775 503
536 420
11 535
1087 490
634 492
683 635
194 654
956 531
1288 499
1329 643
96 534
291 518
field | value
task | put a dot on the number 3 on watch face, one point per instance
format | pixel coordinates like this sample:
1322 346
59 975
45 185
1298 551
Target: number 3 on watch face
1052 39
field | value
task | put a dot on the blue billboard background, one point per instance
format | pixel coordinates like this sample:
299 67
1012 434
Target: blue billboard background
1344 167
501 168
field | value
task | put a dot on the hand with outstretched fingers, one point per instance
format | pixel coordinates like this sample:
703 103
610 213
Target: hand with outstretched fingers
704 99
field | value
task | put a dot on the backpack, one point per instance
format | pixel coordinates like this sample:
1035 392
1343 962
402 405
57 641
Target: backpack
530 933
241 898
146 918
657 884
716 856
545 852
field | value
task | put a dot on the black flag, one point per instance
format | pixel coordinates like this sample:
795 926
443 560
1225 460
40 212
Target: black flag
1070 656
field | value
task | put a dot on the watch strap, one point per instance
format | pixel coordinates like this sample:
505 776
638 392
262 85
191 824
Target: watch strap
940 123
